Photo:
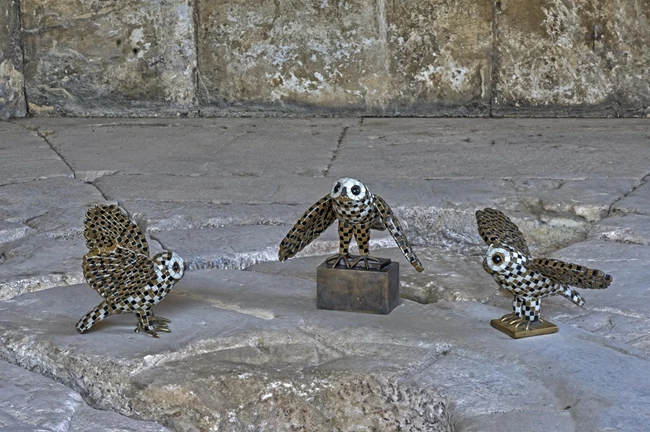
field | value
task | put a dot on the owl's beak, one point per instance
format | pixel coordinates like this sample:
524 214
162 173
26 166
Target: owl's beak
344 193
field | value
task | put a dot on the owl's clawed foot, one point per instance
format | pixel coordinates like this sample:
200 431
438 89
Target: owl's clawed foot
160 320
339 260
349 262
159 325
523 320
370 263
150 331
509 317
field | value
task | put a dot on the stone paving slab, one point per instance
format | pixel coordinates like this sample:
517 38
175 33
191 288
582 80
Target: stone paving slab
24 201
636 202
623 228
487 148
24 156
265 149
31 402
38 262
244 344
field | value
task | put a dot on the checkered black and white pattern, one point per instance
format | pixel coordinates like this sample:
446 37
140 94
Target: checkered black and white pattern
529 280
357 210
119 269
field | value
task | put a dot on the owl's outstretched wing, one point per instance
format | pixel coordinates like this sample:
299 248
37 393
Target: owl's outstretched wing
395 229
108 224
495 227
310 225
116 272
570 274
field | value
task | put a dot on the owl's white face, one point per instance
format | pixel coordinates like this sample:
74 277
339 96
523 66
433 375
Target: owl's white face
172 262
498 259
349 189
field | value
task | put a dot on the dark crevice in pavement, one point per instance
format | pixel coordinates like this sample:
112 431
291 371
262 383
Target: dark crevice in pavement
44 137
643 182
344 131
106 198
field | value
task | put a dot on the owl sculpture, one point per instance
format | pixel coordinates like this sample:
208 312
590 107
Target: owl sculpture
529 279
357 211
118 267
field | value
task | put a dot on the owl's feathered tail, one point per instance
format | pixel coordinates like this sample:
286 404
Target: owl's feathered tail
98 313
573 295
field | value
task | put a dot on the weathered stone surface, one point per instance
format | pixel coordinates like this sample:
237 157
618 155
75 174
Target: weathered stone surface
437 212
239 148
361 56
29 401
88 58
623 228
25 156
24 201
248 349
41 222
618 312
12 80
36 262
568 58
238 247
168 216
495 149
447 276
10 231
225 248
243 385
216 189
636 202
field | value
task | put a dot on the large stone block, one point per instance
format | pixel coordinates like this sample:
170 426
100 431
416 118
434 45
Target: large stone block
345 56
572 57
90 57
12 80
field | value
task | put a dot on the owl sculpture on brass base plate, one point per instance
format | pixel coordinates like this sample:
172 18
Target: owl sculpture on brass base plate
529 279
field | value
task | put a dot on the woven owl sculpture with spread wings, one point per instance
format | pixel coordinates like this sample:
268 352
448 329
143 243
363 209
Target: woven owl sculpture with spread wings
118 267
529 279
357 210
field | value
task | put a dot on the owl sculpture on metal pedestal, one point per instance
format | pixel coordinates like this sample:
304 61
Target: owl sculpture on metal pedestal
529 279
357 210
118 267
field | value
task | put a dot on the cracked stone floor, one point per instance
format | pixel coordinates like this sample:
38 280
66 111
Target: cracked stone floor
248 349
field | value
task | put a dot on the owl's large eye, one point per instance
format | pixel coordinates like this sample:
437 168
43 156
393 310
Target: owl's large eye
337 188
356 190
497 259
176 267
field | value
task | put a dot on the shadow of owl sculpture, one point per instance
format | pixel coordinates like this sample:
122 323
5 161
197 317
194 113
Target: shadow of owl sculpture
357 210
529 279
118 267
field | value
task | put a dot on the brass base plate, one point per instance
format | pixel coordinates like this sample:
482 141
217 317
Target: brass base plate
537 329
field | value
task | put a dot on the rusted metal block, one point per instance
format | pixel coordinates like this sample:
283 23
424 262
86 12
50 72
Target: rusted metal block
358 290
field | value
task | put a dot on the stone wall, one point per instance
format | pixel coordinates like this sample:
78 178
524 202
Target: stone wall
325 57
12 92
